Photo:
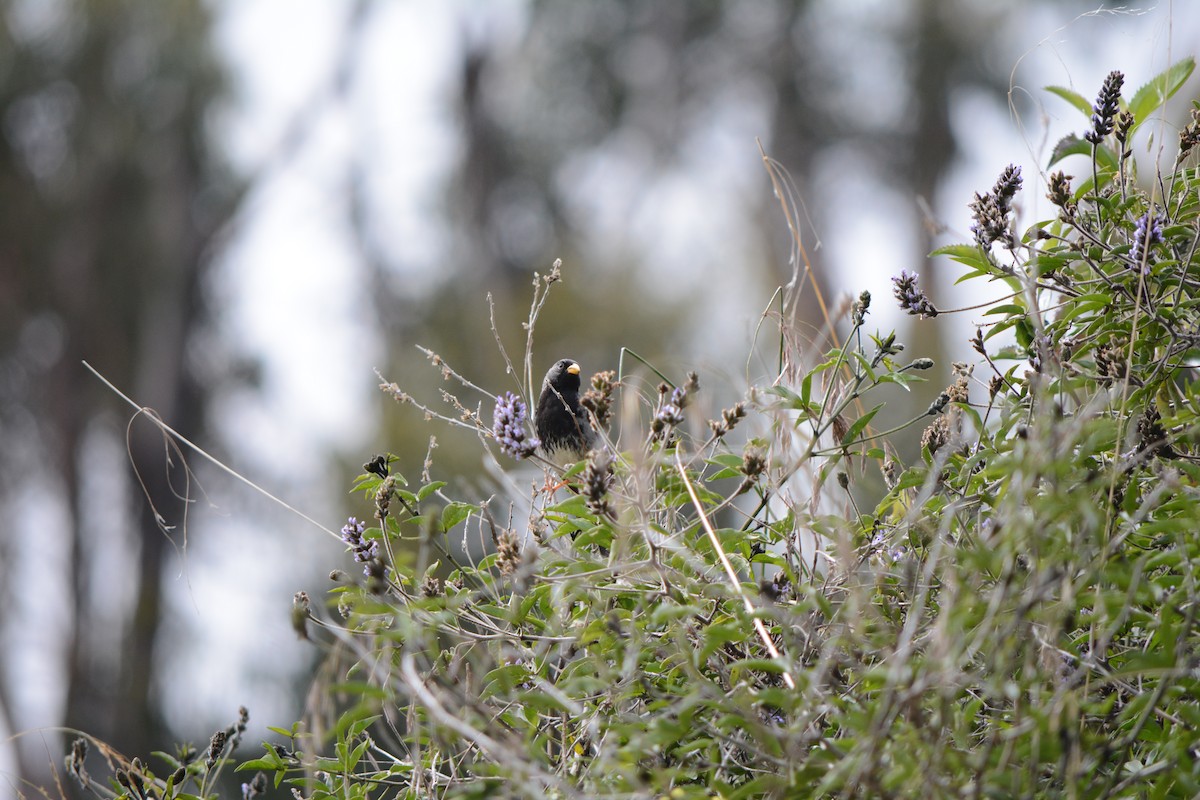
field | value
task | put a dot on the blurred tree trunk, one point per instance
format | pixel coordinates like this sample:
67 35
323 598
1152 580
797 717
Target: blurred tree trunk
116 198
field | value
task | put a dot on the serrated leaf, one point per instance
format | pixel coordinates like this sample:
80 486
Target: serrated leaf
1073 97
968 254
1150 97
1072 145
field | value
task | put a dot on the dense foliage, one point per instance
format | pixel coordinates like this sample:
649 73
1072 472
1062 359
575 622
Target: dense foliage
796 612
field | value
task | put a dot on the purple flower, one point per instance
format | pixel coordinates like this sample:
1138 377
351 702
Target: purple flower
669 414
1106 107
508 426
1006 187
991 210
912 298
1149 231
364 549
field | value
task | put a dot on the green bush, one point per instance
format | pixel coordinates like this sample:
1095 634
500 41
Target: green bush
1012 614
1015 616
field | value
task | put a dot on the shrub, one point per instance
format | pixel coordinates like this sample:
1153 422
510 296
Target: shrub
798 613
1014 616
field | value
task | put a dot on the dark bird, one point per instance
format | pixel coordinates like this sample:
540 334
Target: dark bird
561 422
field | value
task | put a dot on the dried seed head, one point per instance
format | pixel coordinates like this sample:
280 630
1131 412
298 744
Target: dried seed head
729 418
76 759
1110 361
598 399
1189 137
936 435
215 747
597 479
891 473
859 310
754 463
960 389
937 406
1152 436
508 552
257 786
383 498
300 613
431 586
1060 193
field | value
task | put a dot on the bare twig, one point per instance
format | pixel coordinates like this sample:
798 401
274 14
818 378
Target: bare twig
165 428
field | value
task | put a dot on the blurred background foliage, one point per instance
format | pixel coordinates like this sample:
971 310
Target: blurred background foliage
113 194
618 136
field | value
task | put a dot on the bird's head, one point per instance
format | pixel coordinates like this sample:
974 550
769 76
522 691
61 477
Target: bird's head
563 376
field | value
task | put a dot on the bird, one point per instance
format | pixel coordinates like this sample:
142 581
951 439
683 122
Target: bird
562 424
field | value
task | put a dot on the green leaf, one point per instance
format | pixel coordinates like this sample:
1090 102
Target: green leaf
719 634
754 664
1072 145
368 484
575 505
1009 308
271 762
968 254
1024 331
665 613
1159 89
794 400
864 366
356 754
726 460
860 423
1073 97
454 514
429 489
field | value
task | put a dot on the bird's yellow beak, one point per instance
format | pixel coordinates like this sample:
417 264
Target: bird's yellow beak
573 369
